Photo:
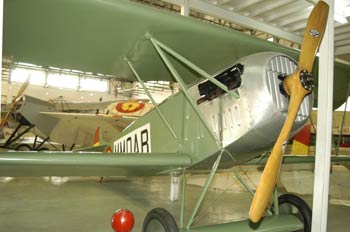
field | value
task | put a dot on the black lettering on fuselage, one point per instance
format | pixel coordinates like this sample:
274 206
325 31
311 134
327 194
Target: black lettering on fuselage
128 145
136 144
137 141
144 141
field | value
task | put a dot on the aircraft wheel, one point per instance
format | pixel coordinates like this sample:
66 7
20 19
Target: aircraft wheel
23 147
43 149
291 204
159 220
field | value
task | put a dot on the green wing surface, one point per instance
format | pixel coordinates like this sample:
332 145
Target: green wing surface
89 164
295 159
96 36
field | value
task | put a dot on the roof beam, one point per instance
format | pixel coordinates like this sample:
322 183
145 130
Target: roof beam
245 4
297 26
267 7
342 42
342 29
284 11
239 19
342 50
292 18
220 2
344 36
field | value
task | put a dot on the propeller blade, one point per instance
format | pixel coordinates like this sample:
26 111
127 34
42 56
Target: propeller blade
313 35
22 89
14 102
297 91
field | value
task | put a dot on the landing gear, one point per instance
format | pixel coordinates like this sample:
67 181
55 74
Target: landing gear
159 220
291 204
23 147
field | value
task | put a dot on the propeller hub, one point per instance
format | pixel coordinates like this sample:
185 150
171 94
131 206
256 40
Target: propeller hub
307 80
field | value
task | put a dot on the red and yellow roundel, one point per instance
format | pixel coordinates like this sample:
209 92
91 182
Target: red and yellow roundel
129 107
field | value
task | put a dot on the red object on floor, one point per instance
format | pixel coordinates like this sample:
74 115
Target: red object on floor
122 220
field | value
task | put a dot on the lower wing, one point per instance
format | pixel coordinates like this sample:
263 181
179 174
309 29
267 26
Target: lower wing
90 163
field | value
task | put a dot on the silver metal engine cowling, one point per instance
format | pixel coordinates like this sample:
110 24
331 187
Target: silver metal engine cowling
260 112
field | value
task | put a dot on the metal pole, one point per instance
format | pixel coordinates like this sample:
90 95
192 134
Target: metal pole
179 80
343 120
1 27
183 196
185 7
152 100
243 182
275 202
324 126
194 67
9 140
204 191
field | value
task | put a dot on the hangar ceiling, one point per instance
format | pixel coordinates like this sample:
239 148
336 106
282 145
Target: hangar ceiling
285 19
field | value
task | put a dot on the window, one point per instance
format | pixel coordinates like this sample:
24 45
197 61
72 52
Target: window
69 81
93 84
37 77
59 78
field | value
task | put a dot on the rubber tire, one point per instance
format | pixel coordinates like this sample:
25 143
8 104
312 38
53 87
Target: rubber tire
162 218
43 149
304 214
23 147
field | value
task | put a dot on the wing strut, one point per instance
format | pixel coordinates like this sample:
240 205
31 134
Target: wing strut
161 115
205 189
160 48
159 45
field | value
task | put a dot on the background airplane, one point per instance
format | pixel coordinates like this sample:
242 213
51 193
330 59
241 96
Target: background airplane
222 131
67 123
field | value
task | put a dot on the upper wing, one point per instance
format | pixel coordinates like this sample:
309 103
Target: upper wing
82 106
96 36
89 106
77 128
89 164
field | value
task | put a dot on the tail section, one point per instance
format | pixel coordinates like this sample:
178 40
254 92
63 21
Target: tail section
99 142
98 138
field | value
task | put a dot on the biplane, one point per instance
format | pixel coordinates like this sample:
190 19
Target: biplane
71 124
237 92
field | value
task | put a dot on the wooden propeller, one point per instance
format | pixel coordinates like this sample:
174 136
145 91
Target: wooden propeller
295 86
14 102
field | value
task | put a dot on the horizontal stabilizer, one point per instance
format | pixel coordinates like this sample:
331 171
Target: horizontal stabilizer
89 163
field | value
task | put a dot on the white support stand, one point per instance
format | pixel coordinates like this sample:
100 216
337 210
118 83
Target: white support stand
1 28
185 7
174 187
324 126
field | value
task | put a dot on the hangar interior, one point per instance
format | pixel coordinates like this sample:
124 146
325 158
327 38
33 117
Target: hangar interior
87 203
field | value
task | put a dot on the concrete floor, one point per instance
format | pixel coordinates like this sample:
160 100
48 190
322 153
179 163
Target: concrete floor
84 204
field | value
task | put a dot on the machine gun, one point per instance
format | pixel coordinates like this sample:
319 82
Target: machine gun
230 77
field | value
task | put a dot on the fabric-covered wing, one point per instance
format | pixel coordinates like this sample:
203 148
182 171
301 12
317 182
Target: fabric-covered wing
79 129
96 36
295 159
90 106
82 106
89 164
